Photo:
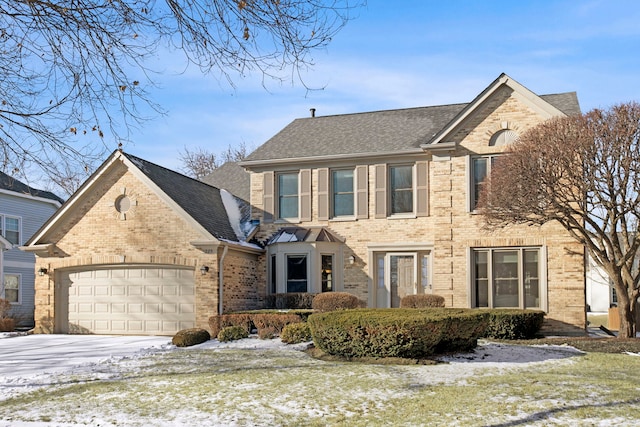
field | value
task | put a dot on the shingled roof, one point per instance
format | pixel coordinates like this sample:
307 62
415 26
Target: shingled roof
231 177
373 132
11 184
201 201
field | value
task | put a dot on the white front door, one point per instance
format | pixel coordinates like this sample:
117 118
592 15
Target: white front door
399 274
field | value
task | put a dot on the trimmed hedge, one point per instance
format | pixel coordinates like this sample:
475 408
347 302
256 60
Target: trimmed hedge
514 324
219 322
260 320
275 321
330 301
288 301
422 301
189 337
408 333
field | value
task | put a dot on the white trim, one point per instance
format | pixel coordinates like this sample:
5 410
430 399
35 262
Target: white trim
4 285
53 202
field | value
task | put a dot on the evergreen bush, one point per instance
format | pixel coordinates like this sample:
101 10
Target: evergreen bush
232 333
514 324
295 333
189 337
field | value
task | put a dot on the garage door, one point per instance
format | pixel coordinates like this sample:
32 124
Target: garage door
130 300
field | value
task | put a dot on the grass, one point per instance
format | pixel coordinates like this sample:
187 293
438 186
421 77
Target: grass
287 388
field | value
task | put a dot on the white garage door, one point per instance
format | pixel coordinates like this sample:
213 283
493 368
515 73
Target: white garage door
130 300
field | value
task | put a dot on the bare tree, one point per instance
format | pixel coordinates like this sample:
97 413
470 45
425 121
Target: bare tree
200 162
584 173
74 73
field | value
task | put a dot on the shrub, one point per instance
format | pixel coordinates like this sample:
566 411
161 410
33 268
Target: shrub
295 333
408 333
294 300
330 301
7 324
189 337
219 322
422 301
267 333
5 308
513 324
232 333
275 321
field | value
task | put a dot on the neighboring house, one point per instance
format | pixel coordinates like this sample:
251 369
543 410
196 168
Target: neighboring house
140 249
601 294
382 205
23 210
378 204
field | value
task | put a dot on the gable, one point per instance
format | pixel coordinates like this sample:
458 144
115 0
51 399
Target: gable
114 190
504 89
101 223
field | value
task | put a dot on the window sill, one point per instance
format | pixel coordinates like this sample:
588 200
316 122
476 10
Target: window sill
343 219
403 216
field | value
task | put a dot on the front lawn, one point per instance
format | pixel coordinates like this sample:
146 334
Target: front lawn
542 385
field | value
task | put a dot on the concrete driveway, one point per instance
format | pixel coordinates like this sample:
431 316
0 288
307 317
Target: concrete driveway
23 356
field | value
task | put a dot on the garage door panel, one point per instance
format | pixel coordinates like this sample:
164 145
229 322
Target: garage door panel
133 300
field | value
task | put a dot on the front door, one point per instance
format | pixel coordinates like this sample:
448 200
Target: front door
399 274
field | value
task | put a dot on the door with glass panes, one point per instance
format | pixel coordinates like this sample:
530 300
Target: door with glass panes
399 274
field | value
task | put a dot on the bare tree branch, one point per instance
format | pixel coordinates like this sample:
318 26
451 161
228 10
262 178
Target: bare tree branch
584 173
75 73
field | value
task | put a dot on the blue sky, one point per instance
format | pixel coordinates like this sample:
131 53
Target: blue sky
410 54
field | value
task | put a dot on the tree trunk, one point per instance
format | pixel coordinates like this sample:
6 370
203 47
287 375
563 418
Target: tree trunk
627 312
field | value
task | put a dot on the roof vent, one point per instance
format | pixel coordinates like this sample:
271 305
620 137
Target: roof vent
313 112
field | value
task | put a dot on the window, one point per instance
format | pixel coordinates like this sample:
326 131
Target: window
401 189
272 278
288 195
296 273
342 192
327 273
506 278
481 168
12 288
10 228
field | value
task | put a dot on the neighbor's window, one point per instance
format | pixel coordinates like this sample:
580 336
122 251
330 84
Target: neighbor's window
12 288
481 168
327 273
506 278
342 192
296 273
288 195
401 189
10 228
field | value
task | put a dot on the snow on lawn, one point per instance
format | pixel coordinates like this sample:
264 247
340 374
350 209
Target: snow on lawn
28 362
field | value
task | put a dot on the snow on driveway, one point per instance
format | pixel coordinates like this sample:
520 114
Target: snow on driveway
30 355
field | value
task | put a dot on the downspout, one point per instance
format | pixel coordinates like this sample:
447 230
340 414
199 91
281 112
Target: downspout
221 279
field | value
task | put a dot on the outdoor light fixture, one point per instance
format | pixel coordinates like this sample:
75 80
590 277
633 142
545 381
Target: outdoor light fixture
42 271
204 270
352 259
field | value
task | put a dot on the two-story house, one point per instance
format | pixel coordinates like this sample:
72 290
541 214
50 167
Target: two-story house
23 210
379 204
382 205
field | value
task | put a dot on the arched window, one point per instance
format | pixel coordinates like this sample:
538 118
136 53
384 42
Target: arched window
503 137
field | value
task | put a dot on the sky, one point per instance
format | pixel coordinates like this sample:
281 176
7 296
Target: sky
409 54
